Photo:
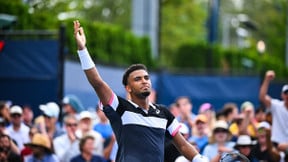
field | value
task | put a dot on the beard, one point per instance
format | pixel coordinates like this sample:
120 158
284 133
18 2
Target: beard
143 95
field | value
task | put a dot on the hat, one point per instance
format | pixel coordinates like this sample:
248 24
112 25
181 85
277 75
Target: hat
16 110
201 118
263 124
40 140
50 109
74 102
85 114
204 107
244 140
285 88
221 124
247 104
184 128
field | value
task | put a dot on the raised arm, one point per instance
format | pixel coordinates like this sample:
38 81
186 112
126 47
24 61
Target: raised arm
103 91
263 96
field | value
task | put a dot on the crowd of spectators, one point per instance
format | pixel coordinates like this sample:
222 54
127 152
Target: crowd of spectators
260 133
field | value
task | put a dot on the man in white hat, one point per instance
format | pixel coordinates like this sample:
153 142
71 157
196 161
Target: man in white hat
18 131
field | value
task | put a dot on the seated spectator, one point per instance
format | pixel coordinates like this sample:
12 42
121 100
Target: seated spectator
8 150
27 150
18 131
41 149
72 105
85 128
66 145
4 112
264 150
247 124
229 112
219 142
244 146
28 116
86 148
200 135
51 113
208 110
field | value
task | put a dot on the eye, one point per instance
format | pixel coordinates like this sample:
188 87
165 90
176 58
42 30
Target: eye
146 77
137 78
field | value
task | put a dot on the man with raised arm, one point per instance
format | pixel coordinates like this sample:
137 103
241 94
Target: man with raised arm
139 125
278 108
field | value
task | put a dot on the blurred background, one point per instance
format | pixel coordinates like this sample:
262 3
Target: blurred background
214 51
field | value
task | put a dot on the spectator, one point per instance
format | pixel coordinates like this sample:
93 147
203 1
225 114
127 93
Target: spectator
41 149
72 105
174 110
229 112
247 124
87 151
200 133
4 112
208 110
27 150
28 116
219 143
8 150
185 108
85 128
3 129
278 109
244 146
66 145
260 114
18 131
264 150
51 113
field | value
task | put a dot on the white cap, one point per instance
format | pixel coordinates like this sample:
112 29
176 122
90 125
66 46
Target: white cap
50 109
221 124
16 110
285 88
85 114
263 124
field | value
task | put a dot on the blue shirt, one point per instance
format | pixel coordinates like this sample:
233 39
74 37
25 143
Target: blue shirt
95 158
46 158
140 133
104 129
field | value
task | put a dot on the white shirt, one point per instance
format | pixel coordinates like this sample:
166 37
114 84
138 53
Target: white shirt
279 121
64 149
21 136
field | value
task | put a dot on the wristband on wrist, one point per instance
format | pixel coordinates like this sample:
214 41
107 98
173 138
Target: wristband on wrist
200 158
85 59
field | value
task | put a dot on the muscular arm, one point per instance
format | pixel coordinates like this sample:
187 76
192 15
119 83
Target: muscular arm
264 98
103 91
184 147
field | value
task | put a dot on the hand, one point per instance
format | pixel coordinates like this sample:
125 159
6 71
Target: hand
71 134
270 75
79 35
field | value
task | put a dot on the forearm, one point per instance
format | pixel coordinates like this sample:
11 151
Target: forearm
264 90
102 89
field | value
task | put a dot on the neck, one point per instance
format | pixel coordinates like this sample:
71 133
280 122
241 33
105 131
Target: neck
86 156
16 127
143 103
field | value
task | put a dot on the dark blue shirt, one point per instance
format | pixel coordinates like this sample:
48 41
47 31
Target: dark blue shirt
95 158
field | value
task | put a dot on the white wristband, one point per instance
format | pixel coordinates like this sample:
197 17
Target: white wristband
85 59
200 158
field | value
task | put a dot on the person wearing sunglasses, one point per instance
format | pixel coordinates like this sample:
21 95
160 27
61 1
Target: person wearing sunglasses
18 131
66 145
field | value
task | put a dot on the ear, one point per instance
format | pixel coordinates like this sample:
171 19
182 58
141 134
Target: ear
128 89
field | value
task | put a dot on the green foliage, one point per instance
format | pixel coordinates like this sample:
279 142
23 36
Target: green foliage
227 61
112 44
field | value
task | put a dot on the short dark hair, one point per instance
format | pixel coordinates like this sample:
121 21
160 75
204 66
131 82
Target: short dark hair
130 69
83 141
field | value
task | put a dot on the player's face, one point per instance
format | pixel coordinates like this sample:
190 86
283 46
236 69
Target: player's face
139 83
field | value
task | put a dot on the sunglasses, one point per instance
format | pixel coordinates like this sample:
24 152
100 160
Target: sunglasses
220 130
15 115
71 124
46 116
